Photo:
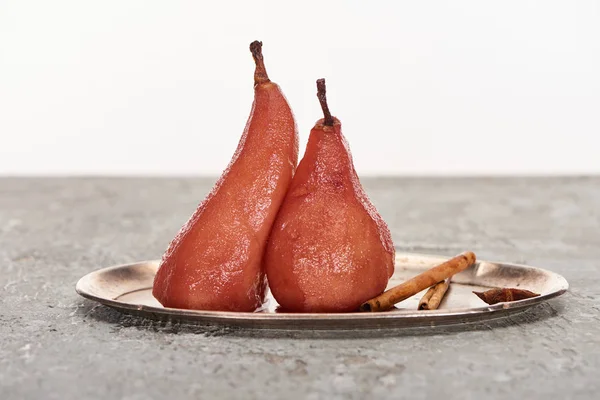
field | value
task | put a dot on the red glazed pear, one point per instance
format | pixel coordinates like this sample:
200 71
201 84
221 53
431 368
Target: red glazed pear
215 261
329 249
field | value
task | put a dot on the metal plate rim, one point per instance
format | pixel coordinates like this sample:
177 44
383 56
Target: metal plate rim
224 316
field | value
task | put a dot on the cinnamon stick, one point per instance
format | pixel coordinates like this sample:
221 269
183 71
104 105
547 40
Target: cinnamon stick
387 299
432 299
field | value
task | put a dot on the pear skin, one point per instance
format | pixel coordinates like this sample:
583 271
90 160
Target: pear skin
216 260
329 249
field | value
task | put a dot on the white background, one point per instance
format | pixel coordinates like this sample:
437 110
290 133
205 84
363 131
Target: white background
422 88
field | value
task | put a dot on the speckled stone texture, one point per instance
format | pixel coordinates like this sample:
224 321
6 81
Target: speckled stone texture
56 345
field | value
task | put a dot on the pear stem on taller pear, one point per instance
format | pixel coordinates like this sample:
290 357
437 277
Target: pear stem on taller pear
321 95
260 73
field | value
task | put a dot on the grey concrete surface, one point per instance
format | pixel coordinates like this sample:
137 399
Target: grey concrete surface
56 345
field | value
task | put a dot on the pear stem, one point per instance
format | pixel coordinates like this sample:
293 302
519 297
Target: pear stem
260 73
321 95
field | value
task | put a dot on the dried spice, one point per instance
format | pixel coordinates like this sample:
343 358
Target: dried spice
494 296
387 299
434 296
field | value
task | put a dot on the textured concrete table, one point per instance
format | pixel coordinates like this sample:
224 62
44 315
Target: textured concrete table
56 345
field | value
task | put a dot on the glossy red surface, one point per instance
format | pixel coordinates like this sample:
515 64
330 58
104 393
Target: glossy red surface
215 261
329 249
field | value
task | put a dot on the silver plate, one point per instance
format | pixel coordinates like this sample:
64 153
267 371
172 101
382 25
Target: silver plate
128 288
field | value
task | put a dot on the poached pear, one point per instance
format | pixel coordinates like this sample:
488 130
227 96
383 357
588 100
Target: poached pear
216 260
329 249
